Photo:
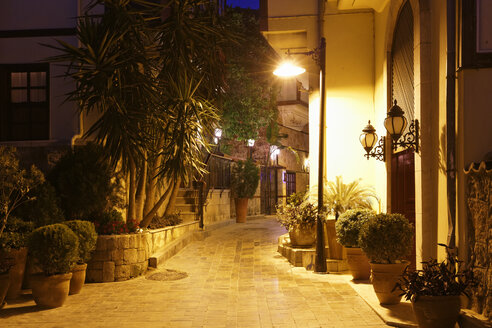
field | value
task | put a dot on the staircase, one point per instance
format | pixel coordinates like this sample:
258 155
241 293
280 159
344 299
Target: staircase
187 204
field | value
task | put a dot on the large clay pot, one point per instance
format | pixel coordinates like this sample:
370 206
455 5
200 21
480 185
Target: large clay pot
358 263
241 209
78 278
4 286
335 249
50 291
437 311
17 272
302 235
384 278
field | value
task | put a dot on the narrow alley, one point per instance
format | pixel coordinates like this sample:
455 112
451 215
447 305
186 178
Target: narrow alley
234 278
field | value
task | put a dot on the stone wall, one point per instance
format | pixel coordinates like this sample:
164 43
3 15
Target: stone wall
119 257
217 207
122 257
479 237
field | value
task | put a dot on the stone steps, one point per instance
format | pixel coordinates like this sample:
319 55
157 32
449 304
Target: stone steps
305 257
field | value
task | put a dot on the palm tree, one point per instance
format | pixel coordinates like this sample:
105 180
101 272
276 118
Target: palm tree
340 197
151 74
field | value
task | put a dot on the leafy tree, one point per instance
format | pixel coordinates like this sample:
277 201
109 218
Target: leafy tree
249 103
152 74
15 183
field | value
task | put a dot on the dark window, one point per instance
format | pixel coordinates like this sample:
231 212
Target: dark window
290 182
24 102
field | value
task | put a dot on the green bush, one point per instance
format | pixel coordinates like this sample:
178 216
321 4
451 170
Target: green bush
244 179
86 232
112 223
15 234
291 216
348 226
55 248
85 183
44 209
387 238
296 198
15 183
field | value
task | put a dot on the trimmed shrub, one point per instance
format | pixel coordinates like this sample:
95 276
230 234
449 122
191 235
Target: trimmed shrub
86 232
55 248
348 226
387 238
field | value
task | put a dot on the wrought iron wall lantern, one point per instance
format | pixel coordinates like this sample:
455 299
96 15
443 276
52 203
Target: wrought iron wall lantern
368 139
395 123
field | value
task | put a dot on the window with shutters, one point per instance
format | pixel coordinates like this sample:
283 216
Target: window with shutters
402 88
24 102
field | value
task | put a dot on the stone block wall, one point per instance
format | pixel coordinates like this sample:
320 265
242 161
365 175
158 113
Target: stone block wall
218 206
159 238
119 257
122 257
479 236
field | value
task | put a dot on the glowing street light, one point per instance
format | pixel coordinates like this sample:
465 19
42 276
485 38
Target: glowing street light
288 69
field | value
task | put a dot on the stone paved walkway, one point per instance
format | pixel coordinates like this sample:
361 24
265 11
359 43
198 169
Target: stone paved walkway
235 279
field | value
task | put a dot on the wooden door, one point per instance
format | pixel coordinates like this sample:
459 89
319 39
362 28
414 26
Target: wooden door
268 190
403 189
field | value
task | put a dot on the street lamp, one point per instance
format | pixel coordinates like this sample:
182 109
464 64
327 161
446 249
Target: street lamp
251 143
288 70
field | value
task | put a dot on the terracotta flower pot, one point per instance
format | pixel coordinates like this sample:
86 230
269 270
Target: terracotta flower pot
78 278
50 291
302 236
358 263
384 278
336 250
241 209
437 311
4 286
17 272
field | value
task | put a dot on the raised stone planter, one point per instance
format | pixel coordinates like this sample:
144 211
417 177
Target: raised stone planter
119 257
122 257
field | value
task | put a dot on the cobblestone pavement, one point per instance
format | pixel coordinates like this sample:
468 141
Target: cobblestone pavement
235 279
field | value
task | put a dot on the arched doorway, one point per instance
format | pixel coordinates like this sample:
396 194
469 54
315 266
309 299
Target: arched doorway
402 89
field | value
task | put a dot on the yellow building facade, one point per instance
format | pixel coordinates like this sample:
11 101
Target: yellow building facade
381 50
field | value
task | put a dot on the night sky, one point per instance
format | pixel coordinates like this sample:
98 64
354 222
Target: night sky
253 4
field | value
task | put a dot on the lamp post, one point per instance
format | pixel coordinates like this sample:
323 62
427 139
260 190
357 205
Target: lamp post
287 70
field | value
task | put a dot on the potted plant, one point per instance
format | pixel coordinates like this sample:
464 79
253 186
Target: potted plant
435 290
347 229
299 218
87 236
15 185
338 198
5 265
244 181
55 250
387 240
13 246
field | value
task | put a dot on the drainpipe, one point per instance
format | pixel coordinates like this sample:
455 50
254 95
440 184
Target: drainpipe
451 121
